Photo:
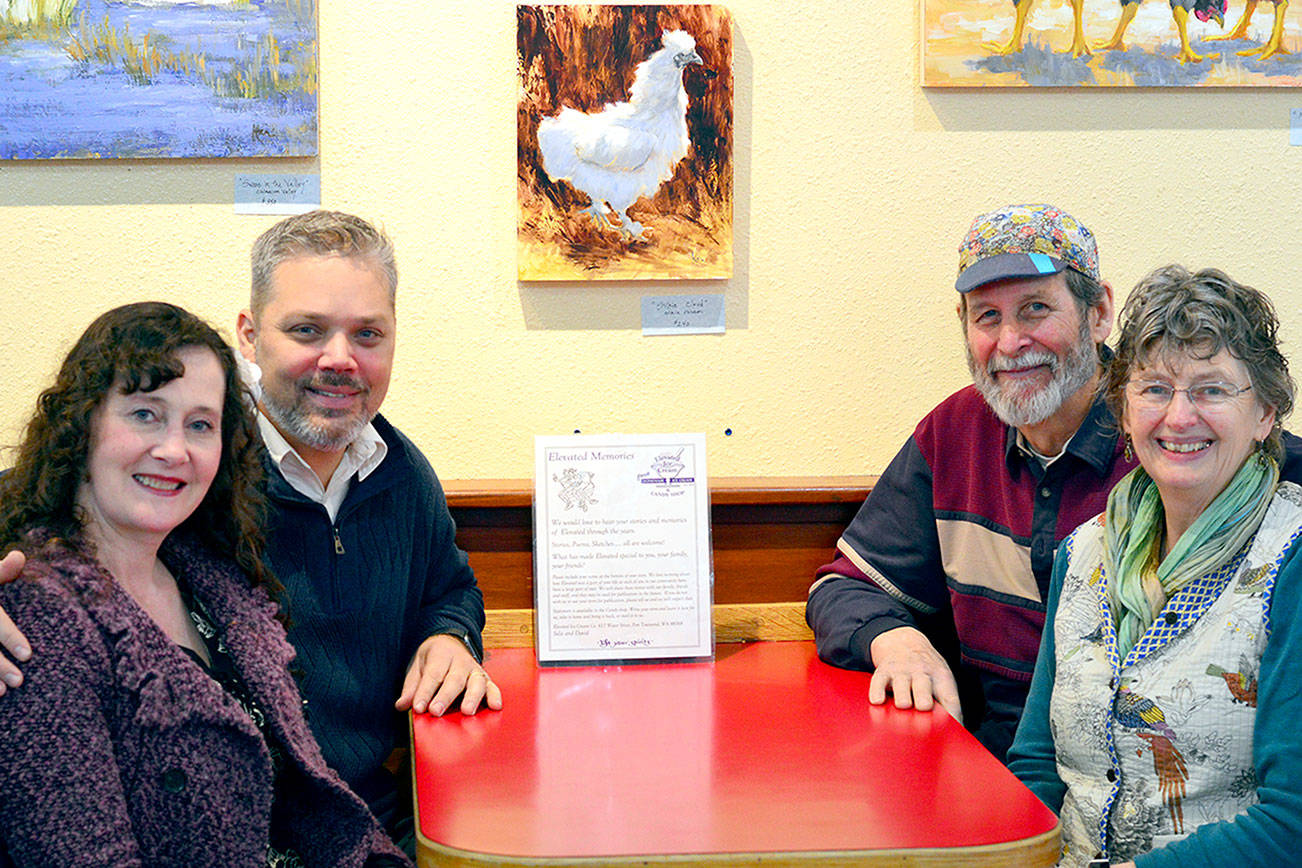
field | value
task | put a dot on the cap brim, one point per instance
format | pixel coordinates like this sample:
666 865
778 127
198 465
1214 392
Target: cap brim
1007 266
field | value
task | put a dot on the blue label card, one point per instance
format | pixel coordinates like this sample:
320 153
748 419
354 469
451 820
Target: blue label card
682 315
1295 127
277 194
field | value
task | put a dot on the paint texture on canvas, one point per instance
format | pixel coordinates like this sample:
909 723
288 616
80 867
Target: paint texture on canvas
624 136
157 78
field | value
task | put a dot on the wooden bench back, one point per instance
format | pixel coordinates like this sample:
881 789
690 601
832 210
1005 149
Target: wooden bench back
769 536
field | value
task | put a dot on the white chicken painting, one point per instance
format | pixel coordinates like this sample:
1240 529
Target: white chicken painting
625 109
628 149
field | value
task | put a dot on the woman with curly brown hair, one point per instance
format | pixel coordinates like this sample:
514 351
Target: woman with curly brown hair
1161 723
158 723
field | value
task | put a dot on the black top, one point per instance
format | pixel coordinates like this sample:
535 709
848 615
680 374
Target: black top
222 669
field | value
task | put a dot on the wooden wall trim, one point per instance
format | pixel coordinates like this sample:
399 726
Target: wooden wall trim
769 534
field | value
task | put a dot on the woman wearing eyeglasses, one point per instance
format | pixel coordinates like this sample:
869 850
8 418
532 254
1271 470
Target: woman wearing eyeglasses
1164 721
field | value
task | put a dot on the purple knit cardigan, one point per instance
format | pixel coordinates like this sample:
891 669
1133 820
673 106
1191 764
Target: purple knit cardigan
119 750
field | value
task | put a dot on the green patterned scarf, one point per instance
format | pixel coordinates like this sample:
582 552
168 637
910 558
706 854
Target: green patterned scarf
1138 586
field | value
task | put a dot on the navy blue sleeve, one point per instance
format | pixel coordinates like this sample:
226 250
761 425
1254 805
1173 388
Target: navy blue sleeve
451 601
846 614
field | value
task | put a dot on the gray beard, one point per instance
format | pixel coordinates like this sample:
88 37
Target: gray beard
297 425
1067 377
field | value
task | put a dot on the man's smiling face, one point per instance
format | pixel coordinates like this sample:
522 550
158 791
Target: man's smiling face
1029 347
324 342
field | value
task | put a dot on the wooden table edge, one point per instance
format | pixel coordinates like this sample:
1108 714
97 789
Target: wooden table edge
1039 850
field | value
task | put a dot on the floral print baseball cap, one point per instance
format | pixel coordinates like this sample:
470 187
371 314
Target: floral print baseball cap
1024 241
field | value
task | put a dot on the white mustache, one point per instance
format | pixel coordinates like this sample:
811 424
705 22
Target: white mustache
1025 360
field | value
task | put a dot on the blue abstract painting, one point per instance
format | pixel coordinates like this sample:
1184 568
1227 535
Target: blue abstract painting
157 78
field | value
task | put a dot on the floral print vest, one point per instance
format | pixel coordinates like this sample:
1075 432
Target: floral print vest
1155 745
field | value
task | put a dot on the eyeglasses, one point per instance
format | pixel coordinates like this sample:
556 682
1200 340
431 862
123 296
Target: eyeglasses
1154 395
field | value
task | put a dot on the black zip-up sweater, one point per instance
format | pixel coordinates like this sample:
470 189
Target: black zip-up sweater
362 594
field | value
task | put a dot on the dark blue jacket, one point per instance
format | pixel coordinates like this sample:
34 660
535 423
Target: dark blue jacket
362 594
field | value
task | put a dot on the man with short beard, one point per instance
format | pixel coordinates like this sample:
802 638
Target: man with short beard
944 570
938 585
384 612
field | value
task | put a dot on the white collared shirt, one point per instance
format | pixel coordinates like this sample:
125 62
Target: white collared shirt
361 457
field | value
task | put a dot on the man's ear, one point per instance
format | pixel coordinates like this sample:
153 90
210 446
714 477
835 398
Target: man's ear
1101 316
245 331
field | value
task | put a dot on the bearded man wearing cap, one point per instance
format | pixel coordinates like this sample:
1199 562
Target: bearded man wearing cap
938 585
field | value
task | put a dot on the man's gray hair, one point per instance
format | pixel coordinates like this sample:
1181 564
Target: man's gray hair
1087 291
319 233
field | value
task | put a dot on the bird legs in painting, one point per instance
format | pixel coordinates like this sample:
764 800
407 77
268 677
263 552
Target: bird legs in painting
1274 45
600 211
1117 42
1187 54
630 227
1204 10
1022 9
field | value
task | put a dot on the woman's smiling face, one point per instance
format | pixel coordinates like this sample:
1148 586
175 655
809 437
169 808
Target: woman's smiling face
153 455
1192 452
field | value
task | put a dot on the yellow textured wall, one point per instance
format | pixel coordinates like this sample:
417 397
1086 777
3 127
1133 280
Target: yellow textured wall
853 188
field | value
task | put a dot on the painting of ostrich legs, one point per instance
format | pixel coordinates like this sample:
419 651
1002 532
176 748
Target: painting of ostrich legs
1111 43
157 78
624 142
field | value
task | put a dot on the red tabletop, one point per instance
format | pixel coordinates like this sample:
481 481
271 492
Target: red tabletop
767 750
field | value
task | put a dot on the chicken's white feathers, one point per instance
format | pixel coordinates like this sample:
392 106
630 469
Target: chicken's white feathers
628 149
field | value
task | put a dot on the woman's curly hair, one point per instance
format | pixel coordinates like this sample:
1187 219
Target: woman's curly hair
135 348
1174 311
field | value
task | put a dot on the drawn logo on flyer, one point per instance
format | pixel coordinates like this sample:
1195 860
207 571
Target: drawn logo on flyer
666 472
577 488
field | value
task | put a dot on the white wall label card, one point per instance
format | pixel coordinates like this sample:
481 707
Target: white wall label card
1295 127
682 315
622 566
277 194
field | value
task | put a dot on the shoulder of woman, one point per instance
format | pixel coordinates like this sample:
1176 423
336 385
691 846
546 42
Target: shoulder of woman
1288 509
1282 524
1291 494
54 611
55 584
1087 533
